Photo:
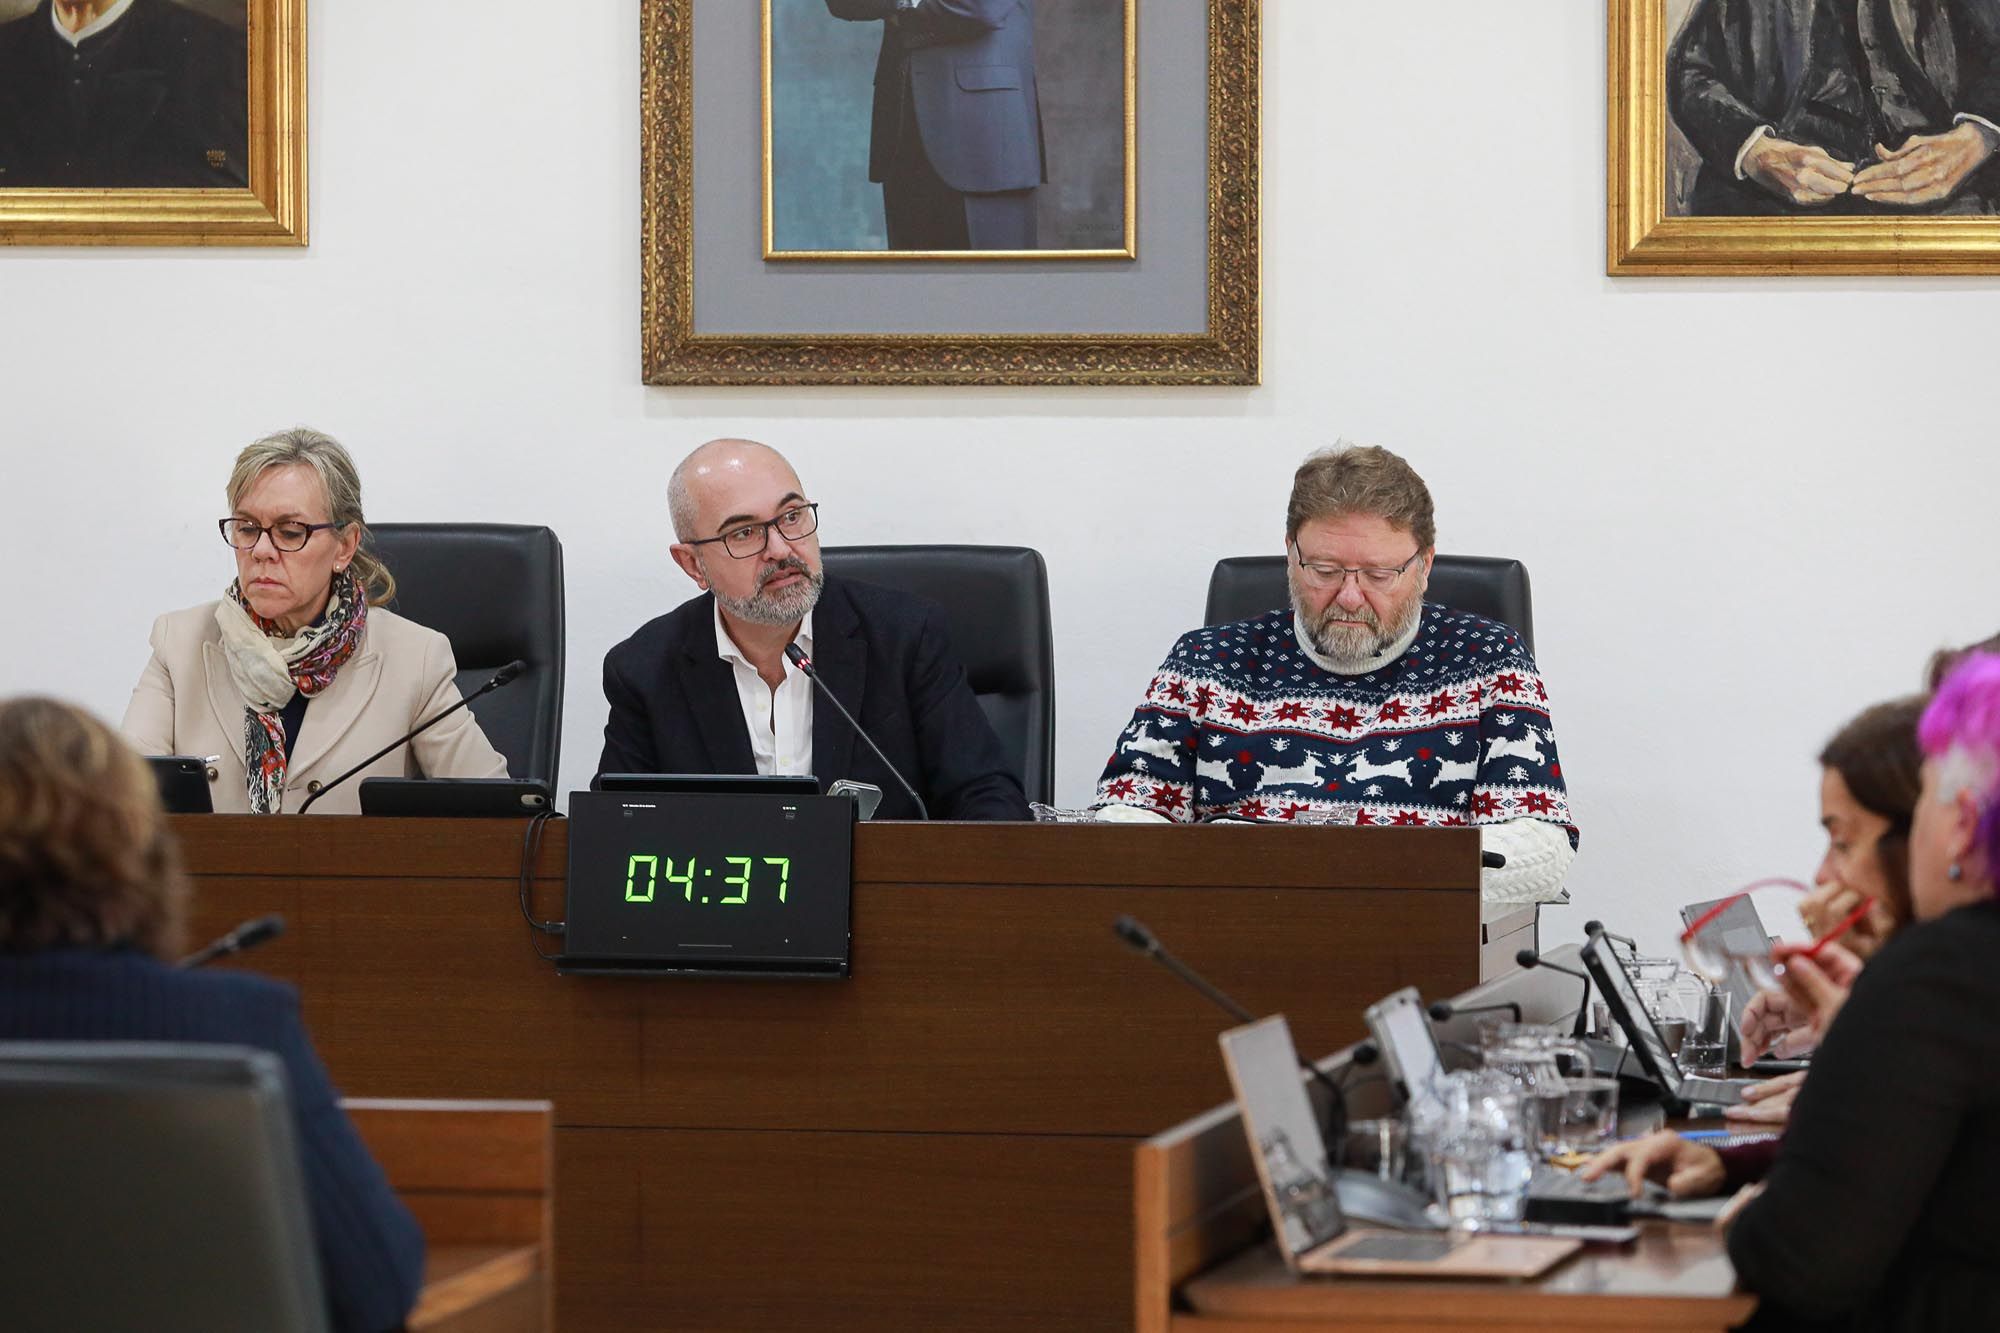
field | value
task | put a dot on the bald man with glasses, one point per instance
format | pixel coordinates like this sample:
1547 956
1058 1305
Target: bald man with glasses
708 688
1360 702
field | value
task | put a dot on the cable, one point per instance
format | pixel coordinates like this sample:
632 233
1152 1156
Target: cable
531 852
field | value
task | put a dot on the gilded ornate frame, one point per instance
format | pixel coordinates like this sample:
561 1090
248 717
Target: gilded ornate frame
1642 239
271 211
673 353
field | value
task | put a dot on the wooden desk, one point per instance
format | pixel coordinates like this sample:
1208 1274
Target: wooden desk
943 1140
478 1178
1205 1262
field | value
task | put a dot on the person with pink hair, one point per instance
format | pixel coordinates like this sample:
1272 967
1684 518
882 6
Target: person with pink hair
1876 1213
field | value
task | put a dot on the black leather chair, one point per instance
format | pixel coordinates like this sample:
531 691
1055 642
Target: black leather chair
1497 588
496 591
996 604
152 1186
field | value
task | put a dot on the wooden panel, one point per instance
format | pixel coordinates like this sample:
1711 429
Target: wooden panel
484 1146
943 1140
679 1229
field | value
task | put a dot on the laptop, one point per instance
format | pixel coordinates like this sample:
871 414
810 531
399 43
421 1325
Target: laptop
1681 1094
1403 1036
1298 1187
1738 930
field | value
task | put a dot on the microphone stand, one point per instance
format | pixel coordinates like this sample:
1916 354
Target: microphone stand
796 656
504 676
246 936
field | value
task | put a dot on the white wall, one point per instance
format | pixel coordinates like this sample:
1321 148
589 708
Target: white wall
1750 507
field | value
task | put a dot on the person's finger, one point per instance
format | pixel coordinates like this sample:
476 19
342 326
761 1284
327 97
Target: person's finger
1839 962
1686 1178
1818 159
1909 145
1811 987
1636 1171
1815 181
1604 1161
1769 1113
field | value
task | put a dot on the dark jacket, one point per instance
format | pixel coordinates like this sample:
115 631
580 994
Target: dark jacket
1841 75
884 654
968 70
159 100
370 1251
1878 1212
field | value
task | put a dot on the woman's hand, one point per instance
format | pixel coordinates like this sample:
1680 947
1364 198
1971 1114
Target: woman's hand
1688 1170
1817 984
1768 1102
1736 1204
1774 1025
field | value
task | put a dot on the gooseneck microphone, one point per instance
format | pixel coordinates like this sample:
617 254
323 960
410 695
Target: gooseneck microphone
504 676
1135 934
1597 928
797 657
1530 958
246 936
1444 1010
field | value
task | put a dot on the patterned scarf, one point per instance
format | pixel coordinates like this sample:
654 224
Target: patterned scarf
269 668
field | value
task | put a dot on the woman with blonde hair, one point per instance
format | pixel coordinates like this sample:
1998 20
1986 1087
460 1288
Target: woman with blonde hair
298 673
91 906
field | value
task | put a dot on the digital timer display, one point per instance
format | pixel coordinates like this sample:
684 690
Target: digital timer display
711 882
643 876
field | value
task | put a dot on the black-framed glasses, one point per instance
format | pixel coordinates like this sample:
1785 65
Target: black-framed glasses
244 534
1377 578
747 539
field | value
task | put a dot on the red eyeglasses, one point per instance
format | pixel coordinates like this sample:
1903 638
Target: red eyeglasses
1713 954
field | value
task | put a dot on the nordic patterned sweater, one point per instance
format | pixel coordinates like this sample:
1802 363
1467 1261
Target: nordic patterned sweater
1240 722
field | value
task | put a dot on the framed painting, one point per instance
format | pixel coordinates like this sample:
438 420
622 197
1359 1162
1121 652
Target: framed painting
152 122
950 192
1804 136
993 129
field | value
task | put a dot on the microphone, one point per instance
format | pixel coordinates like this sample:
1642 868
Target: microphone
1530 958
246 936
504 676
797 657
1444 1010
1597 928
1135 934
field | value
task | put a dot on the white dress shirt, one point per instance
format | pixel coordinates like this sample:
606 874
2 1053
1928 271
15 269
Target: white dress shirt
780 721
92 28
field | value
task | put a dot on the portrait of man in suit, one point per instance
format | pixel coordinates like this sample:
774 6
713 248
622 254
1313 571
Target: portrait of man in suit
124 94
947 125
1836 107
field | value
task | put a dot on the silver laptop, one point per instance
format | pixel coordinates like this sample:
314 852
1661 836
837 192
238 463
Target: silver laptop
1298 1186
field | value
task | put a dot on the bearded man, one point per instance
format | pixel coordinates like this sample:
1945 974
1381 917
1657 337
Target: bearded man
1360 702
707 687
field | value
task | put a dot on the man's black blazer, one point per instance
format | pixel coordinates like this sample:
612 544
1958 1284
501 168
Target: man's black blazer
371 1253
884 654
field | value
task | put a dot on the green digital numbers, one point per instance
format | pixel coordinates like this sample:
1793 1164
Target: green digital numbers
739 881
644 873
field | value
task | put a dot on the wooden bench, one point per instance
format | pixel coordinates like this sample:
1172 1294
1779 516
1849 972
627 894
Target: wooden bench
479 1176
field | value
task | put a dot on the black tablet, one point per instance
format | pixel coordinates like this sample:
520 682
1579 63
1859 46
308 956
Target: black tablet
183 780
454 798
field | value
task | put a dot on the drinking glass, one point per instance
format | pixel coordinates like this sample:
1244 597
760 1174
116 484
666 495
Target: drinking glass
1705 1049
1587 1121
1476 1135
1379 1147
1536 1059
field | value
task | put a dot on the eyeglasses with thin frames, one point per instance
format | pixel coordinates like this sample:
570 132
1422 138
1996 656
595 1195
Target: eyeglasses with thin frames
795 523
1711 958
244 535
1374 578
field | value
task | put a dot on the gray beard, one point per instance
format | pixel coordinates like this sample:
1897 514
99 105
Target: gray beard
782 608
1357 645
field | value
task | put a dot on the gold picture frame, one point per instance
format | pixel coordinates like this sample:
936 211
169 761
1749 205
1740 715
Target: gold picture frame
1225 353
271 210
1643 239
1129 250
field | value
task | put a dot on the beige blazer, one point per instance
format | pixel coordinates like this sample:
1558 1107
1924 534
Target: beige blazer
402 673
